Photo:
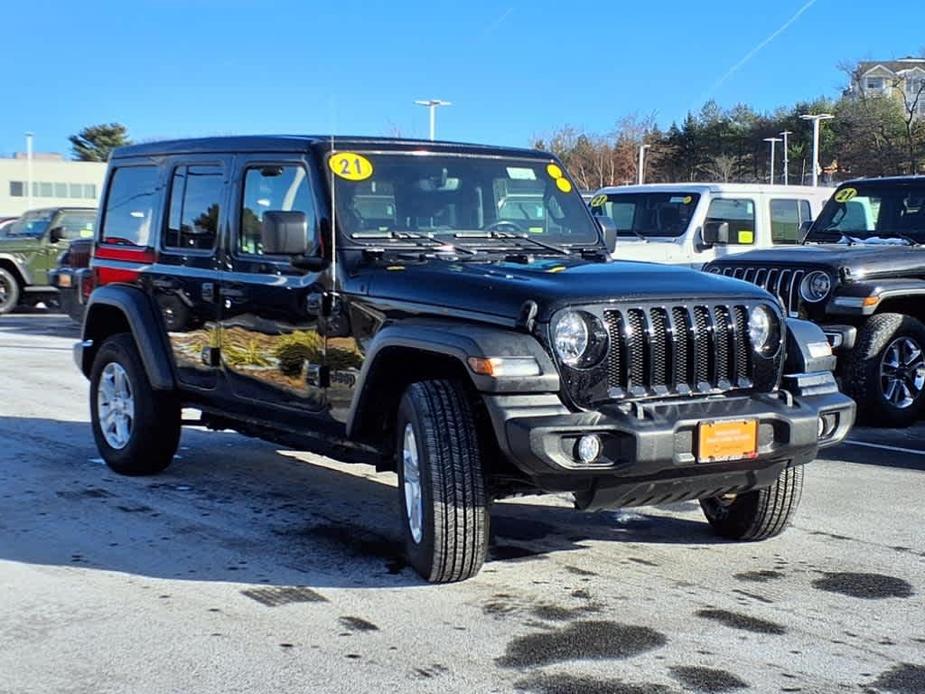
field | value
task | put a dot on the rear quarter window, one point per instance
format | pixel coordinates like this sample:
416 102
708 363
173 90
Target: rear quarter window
131 202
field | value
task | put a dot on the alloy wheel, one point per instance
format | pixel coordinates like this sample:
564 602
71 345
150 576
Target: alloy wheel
115 405
411 469
902 372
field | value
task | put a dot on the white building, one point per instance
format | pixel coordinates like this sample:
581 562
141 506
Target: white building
56 182
903 80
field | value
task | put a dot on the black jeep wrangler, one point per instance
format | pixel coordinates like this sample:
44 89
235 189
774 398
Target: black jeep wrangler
385 301
860 274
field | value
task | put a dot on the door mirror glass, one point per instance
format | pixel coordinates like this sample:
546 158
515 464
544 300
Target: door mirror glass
55 234
285 233
715 233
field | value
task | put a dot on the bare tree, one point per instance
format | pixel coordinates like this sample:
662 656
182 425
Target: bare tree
911 93
721 167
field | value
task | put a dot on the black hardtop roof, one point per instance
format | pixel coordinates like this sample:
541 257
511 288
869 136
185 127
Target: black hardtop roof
885 180
300 143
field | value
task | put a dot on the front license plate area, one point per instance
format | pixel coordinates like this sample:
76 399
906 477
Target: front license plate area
731 439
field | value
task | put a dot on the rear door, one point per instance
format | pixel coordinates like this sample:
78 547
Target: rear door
272 352
68 225
184 282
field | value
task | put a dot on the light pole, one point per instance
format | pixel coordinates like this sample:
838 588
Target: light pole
29 171
773 141
432 104
815 118
786 157
641 167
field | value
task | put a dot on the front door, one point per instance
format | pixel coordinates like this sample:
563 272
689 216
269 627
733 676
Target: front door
270 345
66 226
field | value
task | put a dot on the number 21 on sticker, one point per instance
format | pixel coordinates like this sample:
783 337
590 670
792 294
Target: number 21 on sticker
350 166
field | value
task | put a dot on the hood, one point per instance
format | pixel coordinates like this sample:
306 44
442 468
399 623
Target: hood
500 288
872 260
661 251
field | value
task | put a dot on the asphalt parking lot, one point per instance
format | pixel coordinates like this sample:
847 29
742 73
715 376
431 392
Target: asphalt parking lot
247 568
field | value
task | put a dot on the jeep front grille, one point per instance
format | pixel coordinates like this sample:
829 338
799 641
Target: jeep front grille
782 282
664 350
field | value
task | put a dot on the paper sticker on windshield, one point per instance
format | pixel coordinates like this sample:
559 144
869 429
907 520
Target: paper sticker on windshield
535 230
746 236
564 185
598 200
846 194
351 166
519 173
688 199
680 199
554 171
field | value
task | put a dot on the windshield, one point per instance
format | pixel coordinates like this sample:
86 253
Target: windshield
647 214
873 212
380 193
32 224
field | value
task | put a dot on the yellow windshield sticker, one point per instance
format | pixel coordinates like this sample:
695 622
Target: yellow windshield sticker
846 194
351 166
746 236
554 171
687 200
599 200
535 230
564 185
86 233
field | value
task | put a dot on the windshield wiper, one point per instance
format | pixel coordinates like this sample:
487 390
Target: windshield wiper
414 237
508 236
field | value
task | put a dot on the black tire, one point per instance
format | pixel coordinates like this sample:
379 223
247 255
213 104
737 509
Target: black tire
10 291
155 429
454 524
760 513
862 375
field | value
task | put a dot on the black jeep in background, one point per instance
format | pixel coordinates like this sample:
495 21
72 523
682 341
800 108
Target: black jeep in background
860 274
72 278
383 301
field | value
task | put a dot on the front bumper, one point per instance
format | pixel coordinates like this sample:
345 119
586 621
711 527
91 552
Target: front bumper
650 448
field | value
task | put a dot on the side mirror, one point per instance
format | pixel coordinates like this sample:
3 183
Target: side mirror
608 231
55 234
714 233
284 233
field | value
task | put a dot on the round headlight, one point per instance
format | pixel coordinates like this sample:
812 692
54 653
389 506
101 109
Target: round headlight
815 286
570 337
763 330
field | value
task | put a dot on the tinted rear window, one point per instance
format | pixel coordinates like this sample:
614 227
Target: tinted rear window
130 206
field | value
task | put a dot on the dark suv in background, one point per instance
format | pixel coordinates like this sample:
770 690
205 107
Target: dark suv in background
860 274
447 311
30 248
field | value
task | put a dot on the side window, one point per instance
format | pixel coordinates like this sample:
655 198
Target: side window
786 217
739 214
272 188
195 196
130 206
76 224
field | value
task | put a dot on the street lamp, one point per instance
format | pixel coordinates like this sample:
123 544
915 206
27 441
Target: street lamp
641 170
815 118
29 171
786 157
432 104
773 141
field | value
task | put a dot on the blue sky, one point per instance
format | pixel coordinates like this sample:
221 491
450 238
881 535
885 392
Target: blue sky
173 68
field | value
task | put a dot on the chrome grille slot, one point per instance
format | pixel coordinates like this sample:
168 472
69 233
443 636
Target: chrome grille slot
784 283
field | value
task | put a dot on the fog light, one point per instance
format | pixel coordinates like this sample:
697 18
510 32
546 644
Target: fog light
589 448
828 423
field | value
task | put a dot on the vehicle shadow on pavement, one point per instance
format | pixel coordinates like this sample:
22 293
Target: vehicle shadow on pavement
240 510
40 324
864 455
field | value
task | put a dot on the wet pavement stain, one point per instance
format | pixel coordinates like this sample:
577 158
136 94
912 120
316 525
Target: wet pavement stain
644 562
357 624
557 613
753 596
737 620
762 576
575 684
274 597
864 585
904 678
427 673
577 571
88 493
704 679
581 641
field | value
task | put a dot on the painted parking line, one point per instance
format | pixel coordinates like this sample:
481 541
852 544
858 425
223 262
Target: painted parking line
897 449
